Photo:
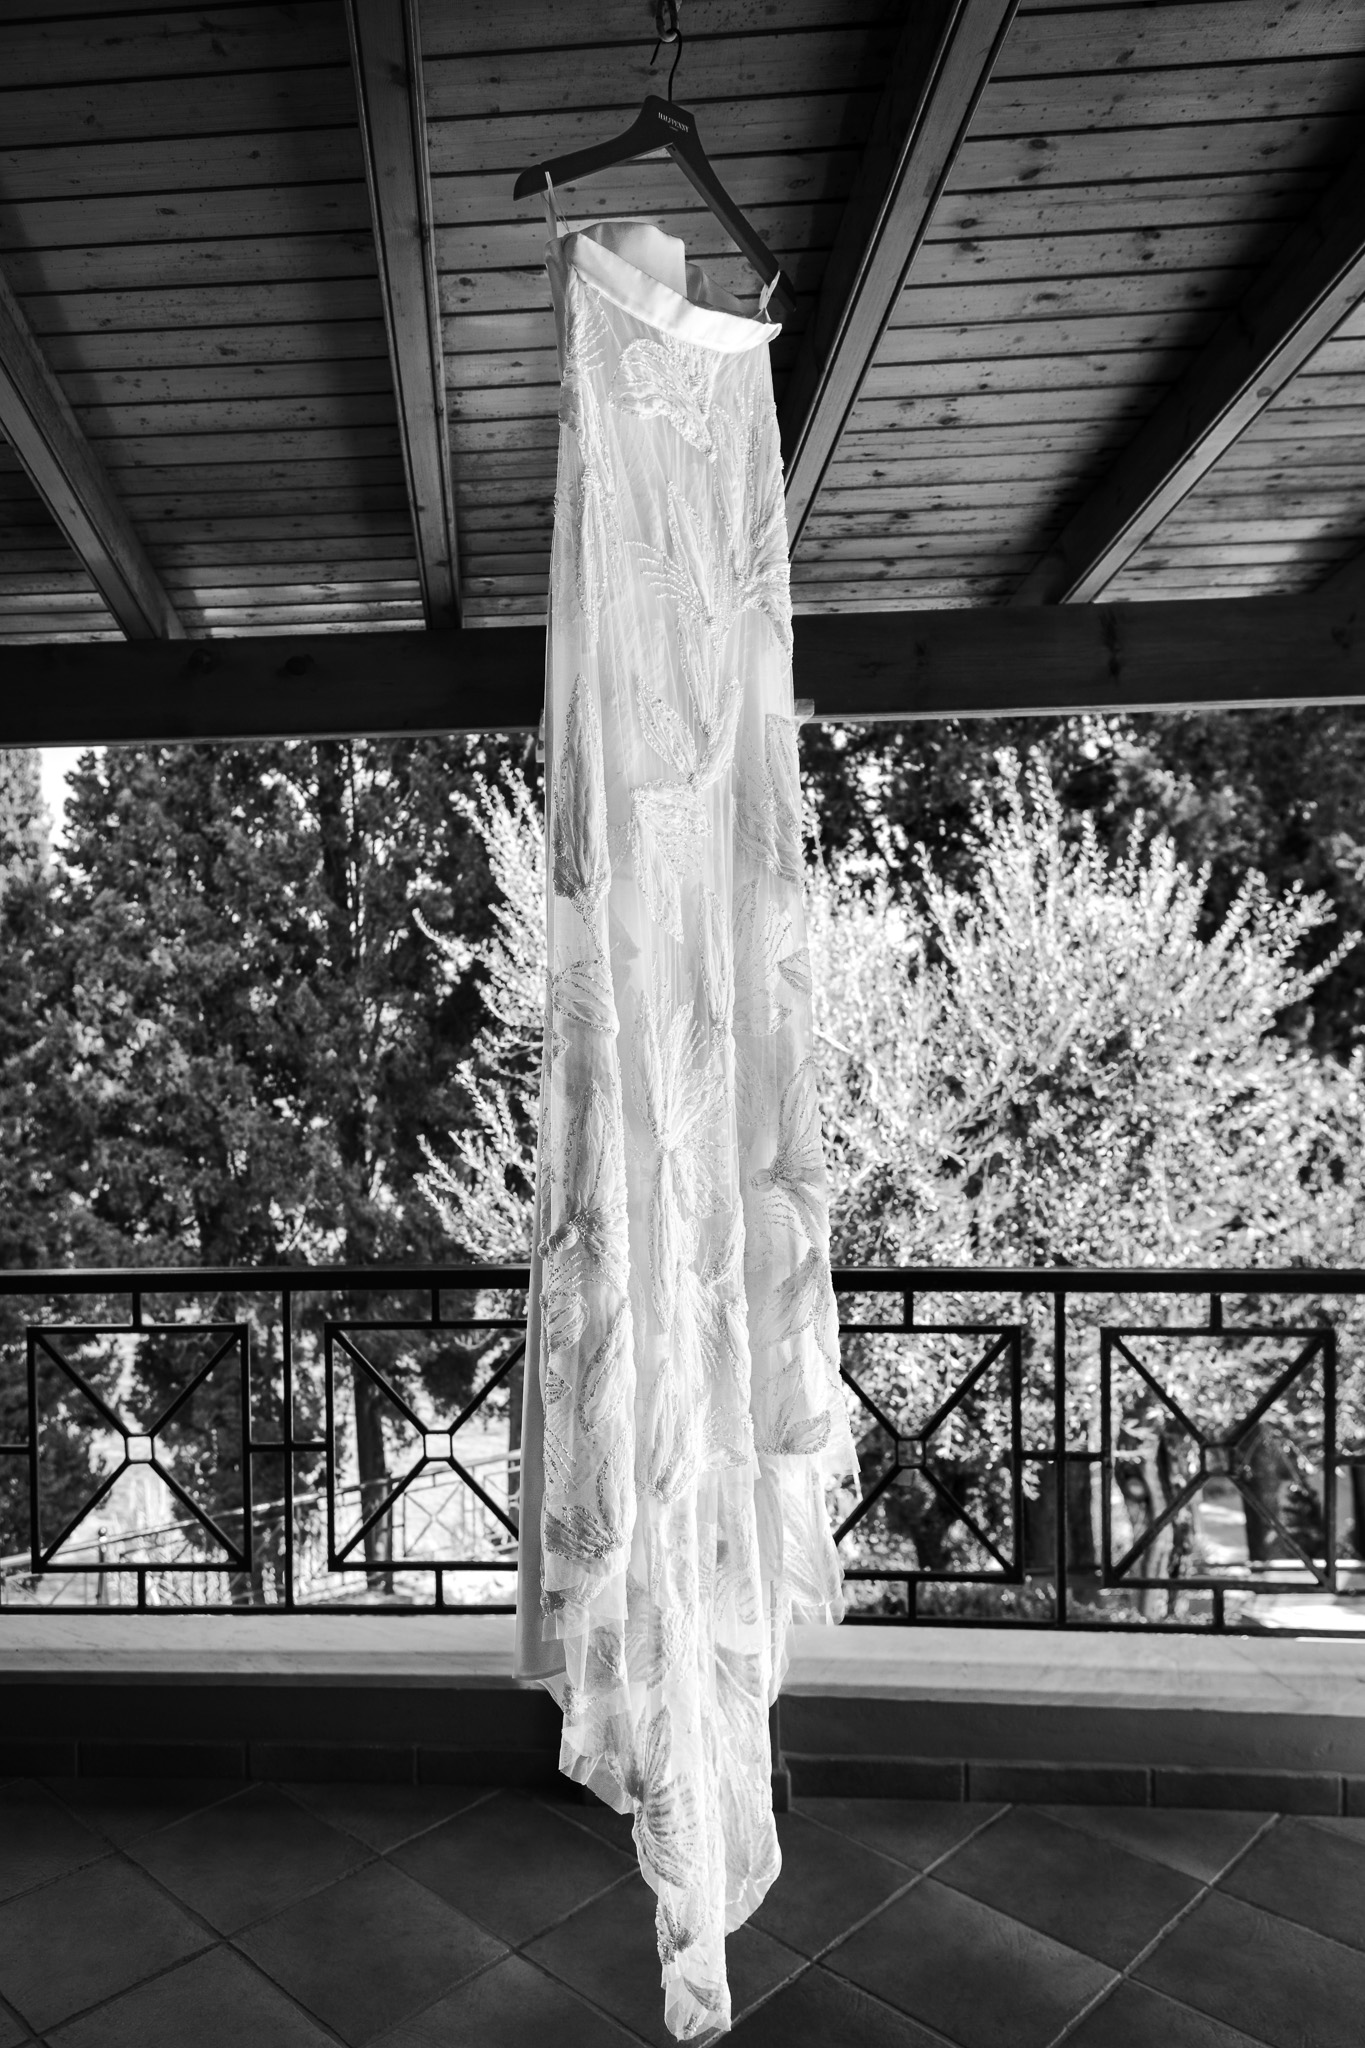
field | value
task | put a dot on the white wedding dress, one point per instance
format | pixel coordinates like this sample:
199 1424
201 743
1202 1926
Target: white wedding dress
682 1405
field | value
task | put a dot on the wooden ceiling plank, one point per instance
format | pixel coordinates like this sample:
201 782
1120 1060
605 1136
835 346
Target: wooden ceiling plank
915 664
318 96
1120 38
1298 89
754 68
179 164
1303 294
387 60
490 27
1204 149
938 72
68 475
803 120
182 42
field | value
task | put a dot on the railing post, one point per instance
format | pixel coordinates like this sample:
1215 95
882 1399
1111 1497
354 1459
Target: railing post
1062 1489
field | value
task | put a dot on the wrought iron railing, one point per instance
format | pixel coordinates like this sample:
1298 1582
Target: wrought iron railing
234 1439
1037 1447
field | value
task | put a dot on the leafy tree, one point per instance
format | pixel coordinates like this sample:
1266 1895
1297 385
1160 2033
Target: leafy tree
1280 792
33 1223
1050 1053
246 1036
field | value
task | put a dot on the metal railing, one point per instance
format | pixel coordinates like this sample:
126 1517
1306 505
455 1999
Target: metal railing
1038 1448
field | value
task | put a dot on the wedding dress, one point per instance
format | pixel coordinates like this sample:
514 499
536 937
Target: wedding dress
682 1406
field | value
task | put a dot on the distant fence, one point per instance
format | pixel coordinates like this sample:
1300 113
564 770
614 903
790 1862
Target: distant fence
1037 1448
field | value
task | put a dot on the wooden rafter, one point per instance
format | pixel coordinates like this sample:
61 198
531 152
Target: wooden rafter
1308 288
386 56
1219 654
70 478
941 64
1344 589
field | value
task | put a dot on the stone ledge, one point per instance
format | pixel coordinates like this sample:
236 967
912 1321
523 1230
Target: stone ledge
912 1712
1212 1674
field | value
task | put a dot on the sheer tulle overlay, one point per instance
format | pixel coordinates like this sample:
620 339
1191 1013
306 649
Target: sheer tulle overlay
687 1409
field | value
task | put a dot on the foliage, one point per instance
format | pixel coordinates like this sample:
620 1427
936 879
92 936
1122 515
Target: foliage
483 1189
1279 792
1050 1061
244 1036
1049 1053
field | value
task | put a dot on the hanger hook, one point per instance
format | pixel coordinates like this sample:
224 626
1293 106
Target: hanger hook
666 26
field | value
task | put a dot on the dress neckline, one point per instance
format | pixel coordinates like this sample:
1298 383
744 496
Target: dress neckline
644 294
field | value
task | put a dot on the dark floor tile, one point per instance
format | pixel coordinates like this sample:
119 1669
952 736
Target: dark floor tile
1306 1874
1086 1892
820 2011
126 1808
513 1864
39 1839
12 2031
382 1816
1133 2017
369 1951
959 1966
246 1857
606 1823
513 2005
217 2001
911 1831
1353 1830
1276 1981
86 1937
609 1952
827 1884
1198 1843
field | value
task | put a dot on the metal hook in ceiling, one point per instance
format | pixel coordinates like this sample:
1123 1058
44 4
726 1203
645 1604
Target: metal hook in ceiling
668 31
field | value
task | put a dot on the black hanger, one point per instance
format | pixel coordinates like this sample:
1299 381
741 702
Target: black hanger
662 124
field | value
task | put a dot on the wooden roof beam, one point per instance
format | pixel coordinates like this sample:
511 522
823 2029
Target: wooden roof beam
1344 588
71 480
1231 653
942 62
386 56
1308 288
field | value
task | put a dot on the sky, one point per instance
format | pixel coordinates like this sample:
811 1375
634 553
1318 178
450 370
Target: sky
56 763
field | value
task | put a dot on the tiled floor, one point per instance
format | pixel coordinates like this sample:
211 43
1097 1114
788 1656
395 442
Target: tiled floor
196 1915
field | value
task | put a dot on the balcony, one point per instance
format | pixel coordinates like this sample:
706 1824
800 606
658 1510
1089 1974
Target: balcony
1059 1449
1089 1773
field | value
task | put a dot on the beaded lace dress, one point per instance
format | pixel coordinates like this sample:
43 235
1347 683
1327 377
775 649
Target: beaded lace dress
683 1408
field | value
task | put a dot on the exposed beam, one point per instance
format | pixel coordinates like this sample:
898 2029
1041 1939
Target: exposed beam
1307 289
72 482
941 64
1234 653
1344 589
386 56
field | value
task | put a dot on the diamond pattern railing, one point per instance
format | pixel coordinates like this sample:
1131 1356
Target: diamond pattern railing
1036 1447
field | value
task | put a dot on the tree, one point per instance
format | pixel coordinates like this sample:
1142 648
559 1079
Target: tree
1054 1060
1280 792
33 1219
246 1035
1049 1053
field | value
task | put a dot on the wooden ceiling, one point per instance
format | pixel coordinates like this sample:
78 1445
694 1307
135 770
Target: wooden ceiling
1079 298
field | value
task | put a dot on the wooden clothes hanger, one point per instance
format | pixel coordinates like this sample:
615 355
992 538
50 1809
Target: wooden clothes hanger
662 124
